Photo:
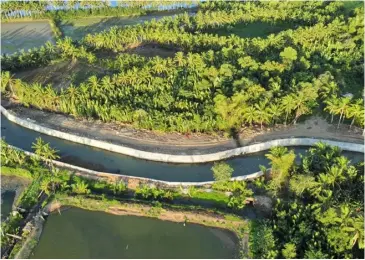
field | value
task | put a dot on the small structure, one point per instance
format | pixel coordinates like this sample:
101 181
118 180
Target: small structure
348 95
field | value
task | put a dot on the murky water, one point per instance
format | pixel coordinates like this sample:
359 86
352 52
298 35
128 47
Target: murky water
7 199
78 233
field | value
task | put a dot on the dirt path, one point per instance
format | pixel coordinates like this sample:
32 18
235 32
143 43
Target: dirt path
176 143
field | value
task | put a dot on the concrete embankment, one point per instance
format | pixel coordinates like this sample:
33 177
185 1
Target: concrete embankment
170 158
84 171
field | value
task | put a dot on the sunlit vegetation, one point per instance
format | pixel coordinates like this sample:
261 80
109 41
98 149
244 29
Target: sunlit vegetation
60 10
212 83
318 208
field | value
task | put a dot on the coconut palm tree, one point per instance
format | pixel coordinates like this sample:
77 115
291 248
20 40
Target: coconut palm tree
342 107
262 113
356 112
275 112
44 151
288 105
331 106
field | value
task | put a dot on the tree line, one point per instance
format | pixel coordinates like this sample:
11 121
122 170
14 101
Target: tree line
61 10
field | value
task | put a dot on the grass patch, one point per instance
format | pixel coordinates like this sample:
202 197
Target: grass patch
16 172
232 217
215 196
251 30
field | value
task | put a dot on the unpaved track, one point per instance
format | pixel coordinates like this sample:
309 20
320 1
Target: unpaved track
175 143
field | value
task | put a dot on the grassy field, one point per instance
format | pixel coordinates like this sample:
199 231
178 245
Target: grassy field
24 35
256 29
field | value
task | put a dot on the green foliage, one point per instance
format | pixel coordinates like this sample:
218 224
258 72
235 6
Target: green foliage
222 171
262 240
44 150
213 83
11 226
119 188
281 161
216 197
289 251
154 193
80 187
240 193
322 214
18 172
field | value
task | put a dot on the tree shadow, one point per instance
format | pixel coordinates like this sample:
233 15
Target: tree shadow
233 132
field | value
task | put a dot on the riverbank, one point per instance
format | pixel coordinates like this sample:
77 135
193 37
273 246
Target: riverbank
173 158
175 143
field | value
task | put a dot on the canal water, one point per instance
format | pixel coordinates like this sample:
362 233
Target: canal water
78 233
102 160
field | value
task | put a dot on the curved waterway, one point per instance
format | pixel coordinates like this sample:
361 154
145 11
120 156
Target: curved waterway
78 233
102 160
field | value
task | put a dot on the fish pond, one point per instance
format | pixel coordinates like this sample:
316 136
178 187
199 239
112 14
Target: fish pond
7 199
78 233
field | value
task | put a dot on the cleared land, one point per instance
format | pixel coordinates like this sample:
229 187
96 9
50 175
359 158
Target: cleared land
60 74
256 29
24 35
151 50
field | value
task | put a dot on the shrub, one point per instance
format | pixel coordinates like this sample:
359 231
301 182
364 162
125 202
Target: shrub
222 171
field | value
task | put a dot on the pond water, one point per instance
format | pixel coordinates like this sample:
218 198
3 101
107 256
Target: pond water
102 160
7 199
78 233
16 36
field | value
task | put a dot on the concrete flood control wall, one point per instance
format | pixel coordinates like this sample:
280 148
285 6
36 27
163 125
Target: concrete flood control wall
167 183
169 158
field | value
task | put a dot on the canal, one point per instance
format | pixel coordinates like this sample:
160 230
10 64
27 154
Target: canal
102 160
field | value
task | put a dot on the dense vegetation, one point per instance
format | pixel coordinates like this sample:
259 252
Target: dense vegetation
213 83
318 207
